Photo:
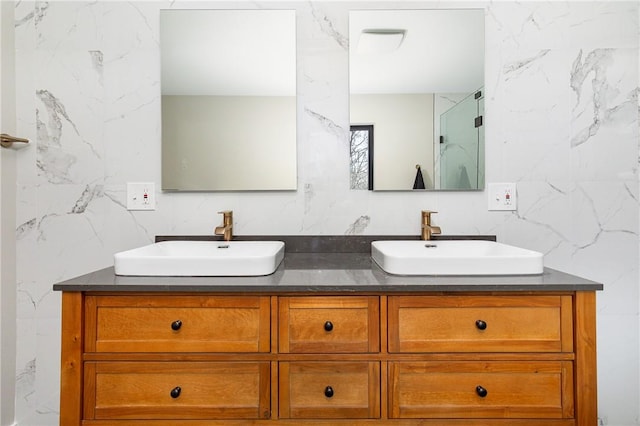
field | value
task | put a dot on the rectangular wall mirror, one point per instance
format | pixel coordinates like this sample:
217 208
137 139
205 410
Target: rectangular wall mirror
228 82
416 81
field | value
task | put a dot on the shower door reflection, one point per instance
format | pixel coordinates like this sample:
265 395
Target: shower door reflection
462 145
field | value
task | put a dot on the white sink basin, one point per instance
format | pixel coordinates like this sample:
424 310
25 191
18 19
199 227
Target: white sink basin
455 257
201 258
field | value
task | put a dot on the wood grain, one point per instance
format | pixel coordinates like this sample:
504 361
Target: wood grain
392 360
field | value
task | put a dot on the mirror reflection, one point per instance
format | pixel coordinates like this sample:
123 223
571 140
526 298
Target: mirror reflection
416 88
228 82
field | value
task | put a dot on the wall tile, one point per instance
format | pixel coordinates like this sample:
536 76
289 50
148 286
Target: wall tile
561 120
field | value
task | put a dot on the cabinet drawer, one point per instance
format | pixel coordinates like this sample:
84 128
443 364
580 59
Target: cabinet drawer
480 324
481 389
329 324
174 390
329 390
177 324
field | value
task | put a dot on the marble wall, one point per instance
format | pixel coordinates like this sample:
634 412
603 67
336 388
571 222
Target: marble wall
562 121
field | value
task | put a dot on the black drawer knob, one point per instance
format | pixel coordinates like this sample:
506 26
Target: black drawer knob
328 391
482 392
175 392
482 325
328 326
175 326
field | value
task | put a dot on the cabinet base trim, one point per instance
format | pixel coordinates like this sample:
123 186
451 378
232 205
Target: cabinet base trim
336 422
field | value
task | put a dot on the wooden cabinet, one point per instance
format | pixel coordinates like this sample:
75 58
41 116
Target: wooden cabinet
176 390
177 324
335 389
416 359
140 357
481 389
514 356
329 324
480 324
347 387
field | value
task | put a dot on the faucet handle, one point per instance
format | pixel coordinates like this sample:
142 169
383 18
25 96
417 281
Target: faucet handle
426 215
427 228
227 225
226 215
426 221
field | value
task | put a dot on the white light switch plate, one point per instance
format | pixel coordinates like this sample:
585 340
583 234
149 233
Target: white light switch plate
141 196
502 196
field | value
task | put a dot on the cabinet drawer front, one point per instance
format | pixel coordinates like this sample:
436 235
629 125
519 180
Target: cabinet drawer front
177 324
329 324
174 390
481 389
329 390
480 324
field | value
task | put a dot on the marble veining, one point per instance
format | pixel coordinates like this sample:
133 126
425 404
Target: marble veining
36 14
593 63
54 164
97 59
359 226
327 27
25 228
329 125
87 196
512 69
26 378
56 113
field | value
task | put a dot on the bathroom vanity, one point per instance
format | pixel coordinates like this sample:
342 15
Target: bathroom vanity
328 339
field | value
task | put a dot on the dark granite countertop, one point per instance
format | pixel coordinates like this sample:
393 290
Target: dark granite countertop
324 272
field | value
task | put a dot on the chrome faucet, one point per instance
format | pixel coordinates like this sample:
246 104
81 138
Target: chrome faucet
226 230
427 228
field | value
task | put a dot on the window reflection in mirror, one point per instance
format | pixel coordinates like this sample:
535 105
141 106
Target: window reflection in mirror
361 145
228 81
407 69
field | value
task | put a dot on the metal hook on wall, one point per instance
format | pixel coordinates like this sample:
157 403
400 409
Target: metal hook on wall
7 140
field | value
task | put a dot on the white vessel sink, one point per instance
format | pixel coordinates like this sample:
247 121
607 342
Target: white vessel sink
455 257
201 258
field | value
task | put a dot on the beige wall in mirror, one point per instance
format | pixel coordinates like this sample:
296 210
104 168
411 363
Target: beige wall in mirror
228 100
398 118
417 77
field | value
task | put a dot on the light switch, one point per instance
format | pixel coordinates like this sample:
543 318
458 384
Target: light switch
502 196
141 196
